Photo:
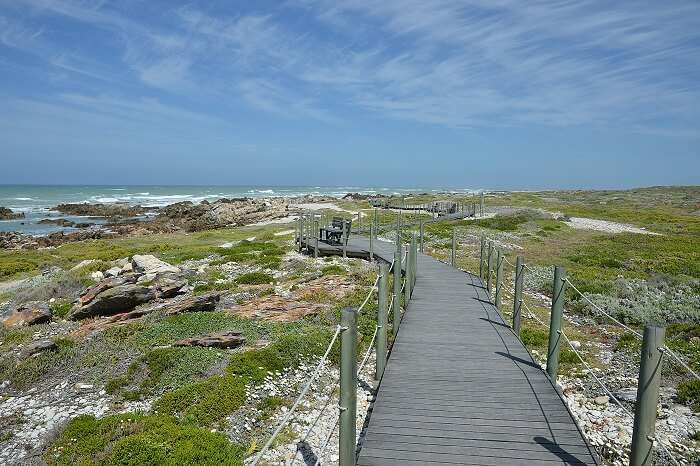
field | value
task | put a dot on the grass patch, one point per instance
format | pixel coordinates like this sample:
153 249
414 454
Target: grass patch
163 368
534 338
255 278
333 270
503 222
26 372
204 402
131 439
61 307
284 353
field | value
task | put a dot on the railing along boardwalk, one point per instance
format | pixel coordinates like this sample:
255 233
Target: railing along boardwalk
460 387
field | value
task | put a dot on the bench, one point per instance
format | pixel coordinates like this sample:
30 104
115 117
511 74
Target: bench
338 232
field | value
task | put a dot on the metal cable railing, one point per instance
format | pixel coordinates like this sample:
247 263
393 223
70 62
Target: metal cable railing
289 414
599 309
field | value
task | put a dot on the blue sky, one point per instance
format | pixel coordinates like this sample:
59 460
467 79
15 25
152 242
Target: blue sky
483 93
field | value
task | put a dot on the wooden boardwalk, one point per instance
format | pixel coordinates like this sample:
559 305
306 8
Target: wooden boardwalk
460 387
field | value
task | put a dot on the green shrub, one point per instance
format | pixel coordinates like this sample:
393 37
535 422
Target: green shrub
135 439
534 338
286 352
61 307
503 222
165 367
688 393
628 342
204 402
255 278
333 270
267 406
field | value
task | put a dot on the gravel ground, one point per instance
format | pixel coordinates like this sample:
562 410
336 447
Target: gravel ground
315 424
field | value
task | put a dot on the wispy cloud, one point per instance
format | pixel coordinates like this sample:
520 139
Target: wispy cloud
456 63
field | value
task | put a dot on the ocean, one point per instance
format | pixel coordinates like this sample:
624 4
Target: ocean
36 201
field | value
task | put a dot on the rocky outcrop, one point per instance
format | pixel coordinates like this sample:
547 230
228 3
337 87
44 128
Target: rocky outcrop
151 264
8 214
224 212
14 240
228 339
64 222
91 293
121 298
103 210
35 312
279 309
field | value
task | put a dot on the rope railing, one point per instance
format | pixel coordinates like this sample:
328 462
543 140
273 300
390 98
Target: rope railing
296 403
674 355
599 309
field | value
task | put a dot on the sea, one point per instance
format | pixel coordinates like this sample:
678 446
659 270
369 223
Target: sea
37 201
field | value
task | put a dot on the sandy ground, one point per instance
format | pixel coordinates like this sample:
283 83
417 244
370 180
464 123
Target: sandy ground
606 226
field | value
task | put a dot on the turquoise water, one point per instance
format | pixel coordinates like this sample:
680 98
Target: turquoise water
36 201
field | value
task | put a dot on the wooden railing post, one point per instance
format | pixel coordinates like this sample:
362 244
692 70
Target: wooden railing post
316 239
396 308
642 451
453 259
554 347
422 232
518 294
414 265
489 268
499 278
371 242
482 257
408 287
382 322
301 232
481 207
398 230
348 387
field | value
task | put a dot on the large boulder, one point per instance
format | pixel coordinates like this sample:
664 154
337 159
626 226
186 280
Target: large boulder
118 299
151 264
35 312
226 339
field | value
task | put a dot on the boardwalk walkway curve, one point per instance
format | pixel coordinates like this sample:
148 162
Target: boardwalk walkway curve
460 387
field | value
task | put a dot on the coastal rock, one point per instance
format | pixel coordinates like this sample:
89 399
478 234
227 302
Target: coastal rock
151 264
114 300
227 339
102 210
62 222
36 347
31 313
8 214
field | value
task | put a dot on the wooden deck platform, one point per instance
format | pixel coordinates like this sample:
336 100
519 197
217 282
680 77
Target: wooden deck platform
460 387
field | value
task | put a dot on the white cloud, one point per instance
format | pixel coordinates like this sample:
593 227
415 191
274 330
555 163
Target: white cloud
458 63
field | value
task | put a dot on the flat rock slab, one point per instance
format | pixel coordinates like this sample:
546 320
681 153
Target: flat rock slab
227 339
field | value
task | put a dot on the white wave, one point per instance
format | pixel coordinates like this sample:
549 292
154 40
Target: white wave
22 198
106 200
